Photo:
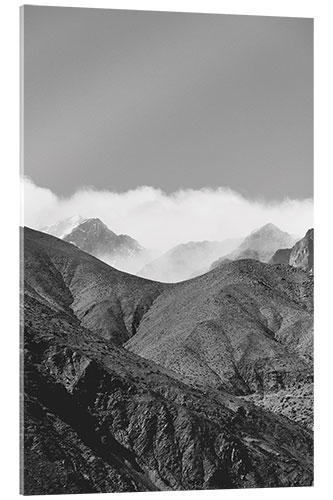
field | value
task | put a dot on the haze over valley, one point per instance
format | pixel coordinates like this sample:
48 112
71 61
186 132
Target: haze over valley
179 263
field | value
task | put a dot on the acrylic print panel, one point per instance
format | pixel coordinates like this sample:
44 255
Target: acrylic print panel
167 251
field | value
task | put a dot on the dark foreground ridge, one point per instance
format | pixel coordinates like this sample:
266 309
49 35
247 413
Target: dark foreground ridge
99 418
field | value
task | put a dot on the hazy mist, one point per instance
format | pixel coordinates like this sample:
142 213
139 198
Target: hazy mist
160 221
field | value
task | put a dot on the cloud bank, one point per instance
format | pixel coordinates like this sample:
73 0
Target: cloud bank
159 220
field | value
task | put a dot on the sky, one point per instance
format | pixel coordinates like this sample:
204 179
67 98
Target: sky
169 127
114 100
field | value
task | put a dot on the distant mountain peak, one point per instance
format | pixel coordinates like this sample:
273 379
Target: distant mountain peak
95 220
95 224
261 244
267 234
270 227
94 237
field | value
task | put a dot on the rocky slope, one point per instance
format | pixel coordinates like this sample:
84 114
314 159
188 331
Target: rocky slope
245 326
187 260
98 418
302 254
260 245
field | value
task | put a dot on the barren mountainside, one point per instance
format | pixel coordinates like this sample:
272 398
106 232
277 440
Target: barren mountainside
105 300
100 418
245 326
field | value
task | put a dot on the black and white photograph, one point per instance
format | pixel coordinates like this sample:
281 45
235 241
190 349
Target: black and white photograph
167 251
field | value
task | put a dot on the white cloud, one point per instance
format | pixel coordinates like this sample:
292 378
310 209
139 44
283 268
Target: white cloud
160 220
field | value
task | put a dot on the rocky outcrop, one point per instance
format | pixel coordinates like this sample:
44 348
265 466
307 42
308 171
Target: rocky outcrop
302 253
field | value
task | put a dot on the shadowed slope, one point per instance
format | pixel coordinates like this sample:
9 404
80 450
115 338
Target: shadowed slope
98 418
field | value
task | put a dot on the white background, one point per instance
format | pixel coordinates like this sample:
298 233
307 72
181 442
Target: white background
321 10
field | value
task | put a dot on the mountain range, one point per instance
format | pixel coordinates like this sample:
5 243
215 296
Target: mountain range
136 385
180 263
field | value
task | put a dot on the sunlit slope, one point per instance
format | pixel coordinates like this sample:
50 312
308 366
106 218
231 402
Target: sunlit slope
245 326
107 301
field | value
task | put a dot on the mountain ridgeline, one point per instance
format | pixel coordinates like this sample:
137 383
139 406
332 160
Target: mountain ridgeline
137 385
